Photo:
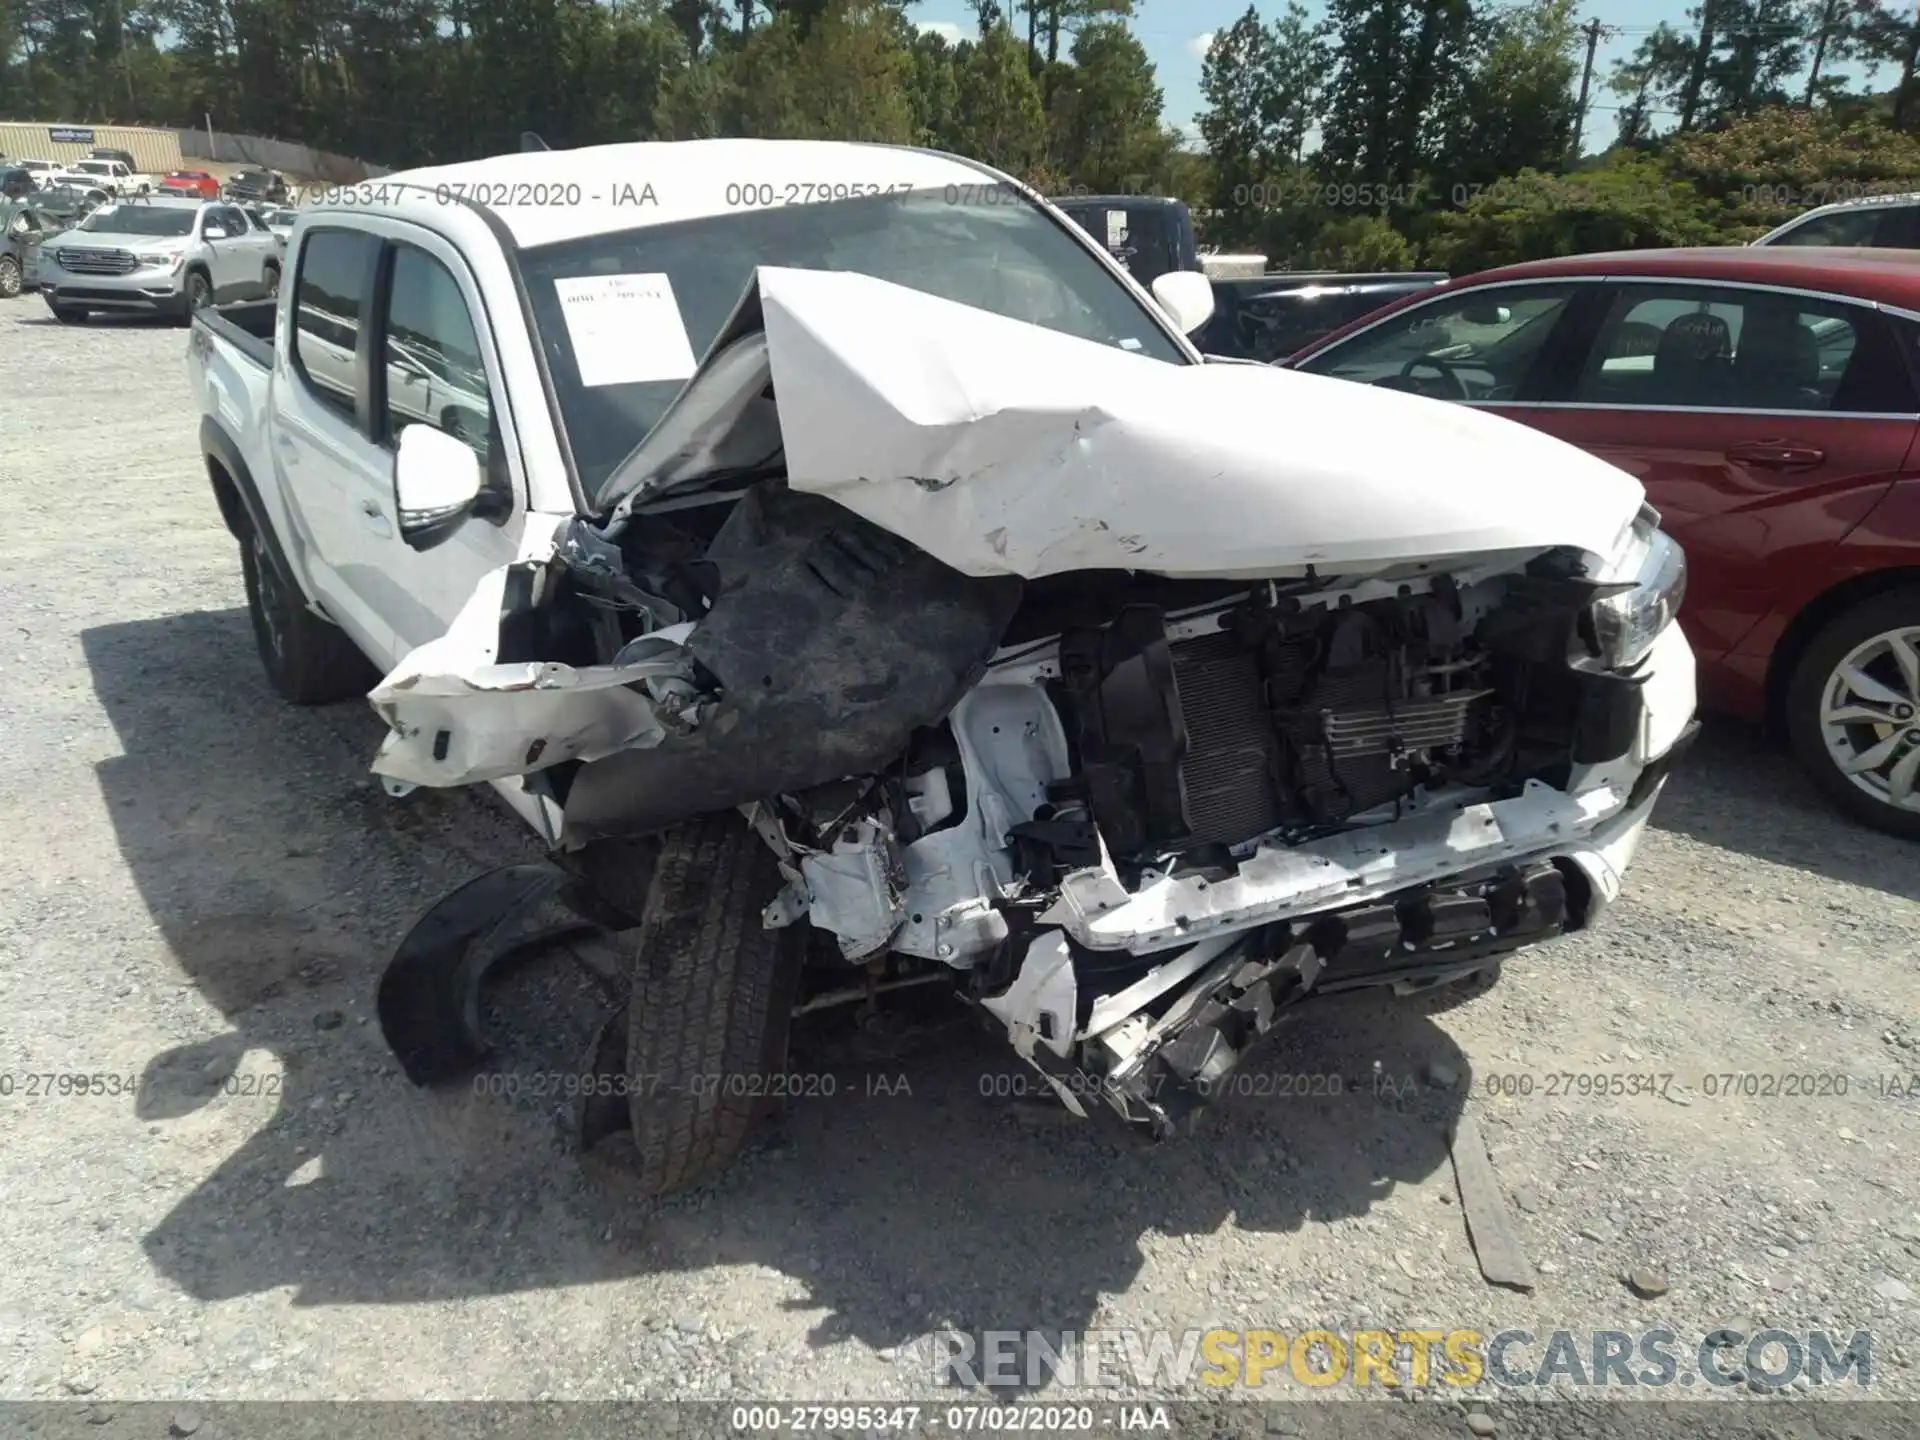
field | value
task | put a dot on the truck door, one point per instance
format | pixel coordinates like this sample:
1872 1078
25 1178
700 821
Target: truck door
420 354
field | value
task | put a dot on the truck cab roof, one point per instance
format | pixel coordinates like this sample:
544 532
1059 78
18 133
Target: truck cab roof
544 197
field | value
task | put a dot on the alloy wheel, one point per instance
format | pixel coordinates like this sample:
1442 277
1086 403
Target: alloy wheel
1870 717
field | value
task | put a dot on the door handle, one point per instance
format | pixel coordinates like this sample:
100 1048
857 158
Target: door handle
1777 455
375 518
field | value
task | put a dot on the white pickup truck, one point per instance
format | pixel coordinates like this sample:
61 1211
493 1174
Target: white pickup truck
859 581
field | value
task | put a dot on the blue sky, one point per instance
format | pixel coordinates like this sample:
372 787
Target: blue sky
1170 30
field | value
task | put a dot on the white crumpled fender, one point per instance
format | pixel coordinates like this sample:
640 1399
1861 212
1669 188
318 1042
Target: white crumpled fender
999 446
500 720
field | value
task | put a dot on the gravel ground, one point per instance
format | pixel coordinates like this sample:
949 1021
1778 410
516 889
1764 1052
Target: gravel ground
202 885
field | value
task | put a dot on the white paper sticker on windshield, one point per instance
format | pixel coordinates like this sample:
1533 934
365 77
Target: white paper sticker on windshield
626 329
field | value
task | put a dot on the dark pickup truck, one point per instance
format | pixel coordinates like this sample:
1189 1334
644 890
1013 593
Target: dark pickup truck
1263 317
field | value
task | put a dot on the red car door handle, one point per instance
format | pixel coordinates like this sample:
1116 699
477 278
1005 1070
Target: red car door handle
1777 455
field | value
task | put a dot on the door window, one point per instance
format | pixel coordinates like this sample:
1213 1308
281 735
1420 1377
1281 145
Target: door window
335 266
1475 345
434 373
1842 227
1696 346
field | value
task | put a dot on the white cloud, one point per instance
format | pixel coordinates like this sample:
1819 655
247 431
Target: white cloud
945 29
1200 44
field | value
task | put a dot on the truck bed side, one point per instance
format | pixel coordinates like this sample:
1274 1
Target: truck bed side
230 360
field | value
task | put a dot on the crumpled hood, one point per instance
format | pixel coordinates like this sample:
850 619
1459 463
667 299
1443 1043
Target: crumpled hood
1003 447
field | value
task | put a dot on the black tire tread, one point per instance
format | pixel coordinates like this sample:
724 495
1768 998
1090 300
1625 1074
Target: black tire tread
321 665
712 1000
1871 616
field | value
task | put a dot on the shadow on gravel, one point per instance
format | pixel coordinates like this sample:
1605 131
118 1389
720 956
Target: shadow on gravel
102 321
1740 791
918 1192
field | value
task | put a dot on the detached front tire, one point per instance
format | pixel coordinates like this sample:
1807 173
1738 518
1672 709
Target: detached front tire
307 660
1853 712
711 1000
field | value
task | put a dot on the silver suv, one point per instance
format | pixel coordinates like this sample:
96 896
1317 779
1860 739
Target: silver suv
158 256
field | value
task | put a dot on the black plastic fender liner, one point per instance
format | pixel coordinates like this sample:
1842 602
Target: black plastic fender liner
429 997
831 640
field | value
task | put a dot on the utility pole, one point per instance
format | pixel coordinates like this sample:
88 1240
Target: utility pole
1593 29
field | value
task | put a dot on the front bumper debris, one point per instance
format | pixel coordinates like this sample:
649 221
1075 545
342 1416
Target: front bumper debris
1156 1072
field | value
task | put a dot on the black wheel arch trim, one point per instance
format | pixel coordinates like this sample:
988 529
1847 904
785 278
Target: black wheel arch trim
239 500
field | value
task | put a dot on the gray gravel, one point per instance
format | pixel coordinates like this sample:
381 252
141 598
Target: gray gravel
202 885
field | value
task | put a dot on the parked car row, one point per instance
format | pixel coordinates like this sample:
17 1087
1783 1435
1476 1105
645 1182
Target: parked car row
1767 397
157 254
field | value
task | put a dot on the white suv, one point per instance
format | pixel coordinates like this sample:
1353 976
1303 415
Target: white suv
1880 221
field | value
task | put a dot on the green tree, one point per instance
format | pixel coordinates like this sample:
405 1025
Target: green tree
1892 36
998 117
1106 123
1399 72
855 74
1629 203
934 94
1760 171
1518 101
1359 244
1262 85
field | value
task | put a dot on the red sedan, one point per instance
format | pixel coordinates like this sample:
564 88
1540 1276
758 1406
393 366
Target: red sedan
190 182
1769 399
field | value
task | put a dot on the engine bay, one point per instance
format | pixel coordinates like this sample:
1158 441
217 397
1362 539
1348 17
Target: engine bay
933 755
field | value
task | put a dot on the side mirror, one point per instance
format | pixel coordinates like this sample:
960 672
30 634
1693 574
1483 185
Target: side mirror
1487 314
436 479
1187 296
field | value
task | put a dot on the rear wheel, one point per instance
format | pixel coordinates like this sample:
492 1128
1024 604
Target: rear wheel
711 1000
309 661
9 277
1853 712
273 280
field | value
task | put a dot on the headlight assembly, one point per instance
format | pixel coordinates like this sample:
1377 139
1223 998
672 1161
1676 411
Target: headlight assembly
160 262
1624 625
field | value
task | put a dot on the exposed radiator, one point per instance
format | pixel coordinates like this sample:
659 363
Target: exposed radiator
1229 770
1330 750
1432 724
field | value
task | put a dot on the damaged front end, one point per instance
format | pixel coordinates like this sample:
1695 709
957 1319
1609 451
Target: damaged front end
1035 666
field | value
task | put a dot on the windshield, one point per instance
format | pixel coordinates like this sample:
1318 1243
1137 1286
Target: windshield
1010 258
94 167
139 220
